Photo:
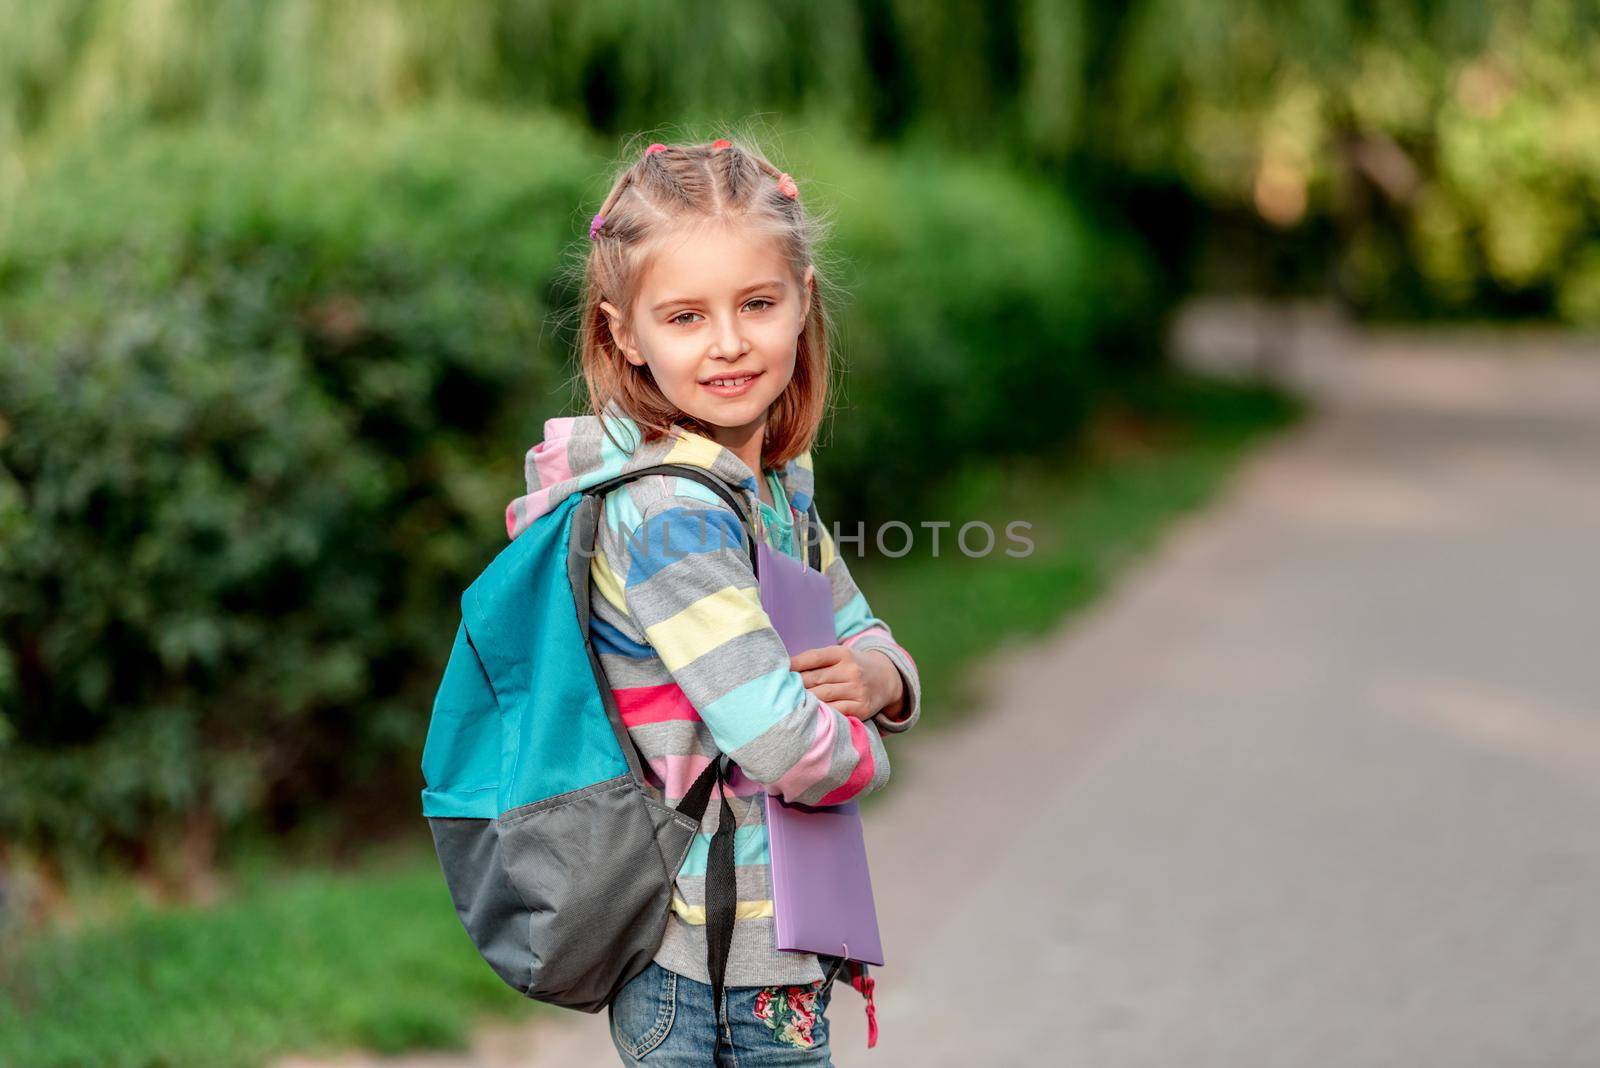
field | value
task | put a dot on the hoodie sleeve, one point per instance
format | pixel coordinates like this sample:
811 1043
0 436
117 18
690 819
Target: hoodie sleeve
689 587
860 630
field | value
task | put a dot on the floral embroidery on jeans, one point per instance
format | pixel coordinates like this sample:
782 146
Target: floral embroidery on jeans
790 1012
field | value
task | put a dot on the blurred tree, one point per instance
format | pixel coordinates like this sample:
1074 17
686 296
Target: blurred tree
1451 146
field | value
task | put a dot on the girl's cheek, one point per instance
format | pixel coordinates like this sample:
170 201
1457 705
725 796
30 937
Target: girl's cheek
675 360
779 334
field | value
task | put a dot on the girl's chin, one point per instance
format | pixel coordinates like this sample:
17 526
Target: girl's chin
729 420
729 411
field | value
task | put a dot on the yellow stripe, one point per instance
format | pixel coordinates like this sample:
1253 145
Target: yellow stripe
607 582
713 619
695 449
743 910
804 460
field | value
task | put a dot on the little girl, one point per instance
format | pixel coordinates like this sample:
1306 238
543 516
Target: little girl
704 343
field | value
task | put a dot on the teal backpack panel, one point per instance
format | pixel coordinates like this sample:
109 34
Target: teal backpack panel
552 734
461 757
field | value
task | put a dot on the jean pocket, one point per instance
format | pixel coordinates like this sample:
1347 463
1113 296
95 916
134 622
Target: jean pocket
643 1010
794 1014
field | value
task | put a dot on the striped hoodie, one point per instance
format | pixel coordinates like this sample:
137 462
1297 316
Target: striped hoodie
698 670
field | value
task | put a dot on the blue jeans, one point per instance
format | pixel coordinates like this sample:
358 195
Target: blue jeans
666 1019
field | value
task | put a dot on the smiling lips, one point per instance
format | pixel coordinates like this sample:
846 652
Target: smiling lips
731 385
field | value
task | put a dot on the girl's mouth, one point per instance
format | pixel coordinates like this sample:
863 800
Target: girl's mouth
732 385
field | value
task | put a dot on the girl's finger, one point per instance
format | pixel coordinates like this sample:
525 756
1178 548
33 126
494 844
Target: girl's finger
831 692
818 676
803 660
813 658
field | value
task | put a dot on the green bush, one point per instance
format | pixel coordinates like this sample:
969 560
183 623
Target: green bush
265 396
985 312
263 407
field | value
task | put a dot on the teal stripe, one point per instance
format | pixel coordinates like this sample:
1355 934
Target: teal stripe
749 847
745 712
688 487
622 514
852 616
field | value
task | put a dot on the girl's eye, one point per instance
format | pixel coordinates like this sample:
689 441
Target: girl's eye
757 300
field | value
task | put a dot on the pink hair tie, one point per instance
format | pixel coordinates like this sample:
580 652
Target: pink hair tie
787 187
657 147
595 224
720 144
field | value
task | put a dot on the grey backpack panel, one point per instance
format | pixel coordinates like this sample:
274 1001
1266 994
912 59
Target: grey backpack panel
595 869
490 908
572 882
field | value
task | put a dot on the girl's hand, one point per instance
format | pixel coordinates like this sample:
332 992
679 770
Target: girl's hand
856 685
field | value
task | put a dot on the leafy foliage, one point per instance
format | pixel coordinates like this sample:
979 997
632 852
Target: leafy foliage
267 390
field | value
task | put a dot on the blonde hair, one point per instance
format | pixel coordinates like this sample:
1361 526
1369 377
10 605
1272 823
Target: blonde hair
663 191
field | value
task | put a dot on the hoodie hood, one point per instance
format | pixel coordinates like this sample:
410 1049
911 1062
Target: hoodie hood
576 453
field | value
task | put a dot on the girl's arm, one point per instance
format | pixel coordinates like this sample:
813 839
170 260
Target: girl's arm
686 581
861 631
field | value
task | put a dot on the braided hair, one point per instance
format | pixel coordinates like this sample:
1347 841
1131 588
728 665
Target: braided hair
667 188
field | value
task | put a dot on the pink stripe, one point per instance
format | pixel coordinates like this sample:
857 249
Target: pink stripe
654 704
865 766
561 427
740 784
550 461
813 766
674 773
534 505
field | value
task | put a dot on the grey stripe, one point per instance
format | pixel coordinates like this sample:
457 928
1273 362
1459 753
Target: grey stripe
674 737
880 760
624 671
583 453
752 960
732 664
662 594
753 880
781 746
844 587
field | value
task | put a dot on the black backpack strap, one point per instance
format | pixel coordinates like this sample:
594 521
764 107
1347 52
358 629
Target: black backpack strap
721 886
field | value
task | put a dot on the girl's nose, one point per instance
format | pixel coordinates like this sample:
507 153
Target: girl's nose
729 341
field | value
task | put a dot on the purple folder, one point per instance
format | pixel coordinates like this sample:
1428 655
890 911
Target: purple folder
821 889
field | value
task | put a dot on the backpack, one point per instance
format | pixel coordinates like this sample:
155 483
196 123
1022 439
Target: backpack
559 862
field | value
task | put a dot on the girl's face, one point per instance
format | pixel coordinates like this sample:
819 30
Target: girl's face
717 304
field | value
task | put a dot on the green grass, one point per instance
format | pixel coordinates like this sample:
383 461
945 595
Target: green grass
375 957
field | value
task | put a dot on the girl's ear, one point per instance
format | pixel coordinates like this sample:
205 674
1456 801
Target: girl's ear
620 335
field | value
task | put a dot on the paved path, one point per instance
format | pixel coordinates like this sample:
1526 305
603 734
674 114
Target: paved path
1319 785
